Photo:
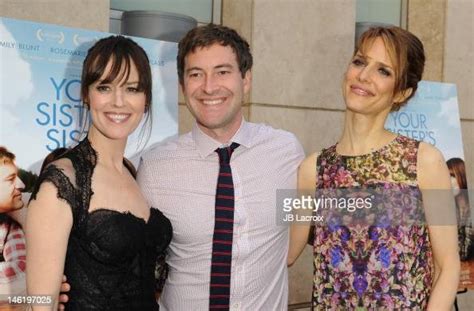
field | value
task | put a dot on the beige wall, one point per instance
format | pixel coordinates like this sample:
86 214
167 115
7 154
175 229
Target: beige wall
300 50
458 68
446 28
89 14
447 31
426 19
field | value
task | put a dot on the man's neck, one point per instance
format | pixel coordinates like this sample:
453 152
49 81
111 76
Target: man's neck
224 134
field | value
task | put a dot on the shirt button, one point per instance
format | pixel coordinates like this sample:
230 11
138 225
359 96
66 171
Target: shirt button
235 306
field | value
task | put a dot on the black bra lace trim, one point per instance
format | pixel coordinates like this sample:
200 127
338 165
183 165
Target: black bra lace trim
56 176
114 260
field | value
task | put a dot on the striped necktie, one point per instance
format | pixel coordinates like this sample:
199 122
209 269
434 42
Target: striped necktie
223 229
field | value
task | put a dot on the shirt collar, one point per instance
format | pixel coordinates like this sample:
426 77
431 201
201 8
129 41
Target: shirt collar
206 145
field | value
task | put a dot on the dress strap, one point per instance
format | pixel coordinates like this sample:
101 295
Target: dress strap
76 193
84 161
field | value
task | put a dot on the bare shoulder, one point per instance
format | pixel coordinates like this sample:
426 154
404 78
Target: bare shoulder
429 154
307 172
309 162
432 169
48 210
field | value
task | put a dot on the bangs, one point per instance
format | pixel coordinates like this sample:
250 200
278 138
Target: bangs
110 60
366 42
396 55
119 69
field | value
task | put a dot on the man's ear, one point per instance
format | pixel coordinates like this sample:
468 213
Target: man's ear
247 81
402 95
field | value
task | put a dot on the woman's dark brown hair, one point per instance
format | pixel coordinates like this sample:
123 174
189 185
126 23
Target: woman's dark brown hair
122 52
457 169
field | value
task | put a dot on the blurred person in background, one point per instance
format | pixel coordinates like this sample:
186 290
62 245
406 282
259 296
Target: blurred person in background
12 240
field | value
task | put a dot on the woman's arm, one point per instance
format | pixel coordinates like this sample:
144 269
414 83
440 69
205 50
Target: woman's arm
49 223
434 181
299 231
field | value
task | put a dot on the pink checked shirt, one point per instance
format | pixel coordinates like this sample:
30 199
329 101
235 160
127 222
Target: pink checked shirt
179 177
12 269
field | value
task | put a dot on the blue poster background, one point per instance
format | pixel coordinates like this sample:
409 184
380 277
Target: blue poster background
40 72
432 115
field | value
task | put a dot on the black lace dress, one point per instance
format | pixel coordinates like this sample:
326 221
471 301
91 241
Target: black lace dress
114 260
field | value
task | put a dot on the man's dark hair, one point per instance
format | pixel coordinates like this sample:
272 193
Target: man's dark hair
6 156
205 36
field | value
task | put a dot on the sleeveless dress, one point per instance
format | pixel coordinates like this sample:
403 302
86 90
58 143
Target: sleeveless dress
381 262
112 257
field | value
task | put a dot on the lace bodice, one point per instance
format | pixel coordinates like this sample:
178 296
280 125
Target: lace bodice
114 260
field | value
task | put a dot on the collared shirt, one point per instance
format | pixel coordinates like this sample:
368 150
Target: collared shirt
179 177
13 265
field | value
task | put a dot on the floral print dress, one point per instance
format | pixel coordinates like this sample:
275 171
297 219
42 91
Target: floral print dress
378 258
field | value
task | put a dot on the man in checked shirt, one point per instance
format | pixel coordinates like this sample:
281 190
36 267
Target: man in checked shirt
12 240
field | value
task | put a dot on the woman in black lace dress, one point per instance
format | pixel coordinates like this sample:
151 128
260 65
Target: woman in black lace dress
87 217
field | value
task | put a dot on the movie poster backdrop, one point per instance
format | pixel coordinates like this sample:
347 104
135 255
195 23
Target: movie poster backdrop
432 116
41 110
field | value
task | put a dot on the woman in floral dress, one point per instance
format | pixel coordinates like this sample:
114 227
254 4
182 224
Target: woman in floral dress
383 255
